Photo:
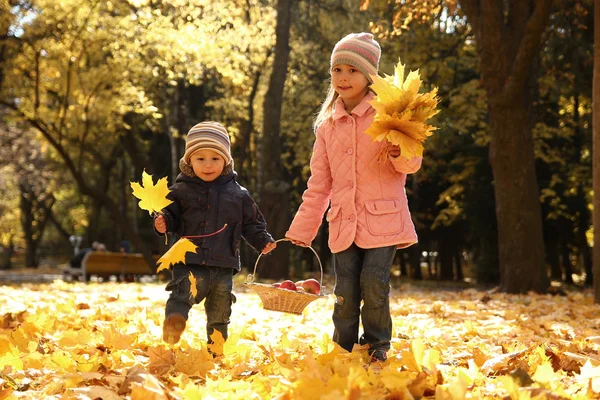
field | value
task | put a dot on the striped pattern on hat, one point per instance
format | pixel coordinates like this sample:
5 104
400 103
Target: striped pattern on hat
208 135
360 50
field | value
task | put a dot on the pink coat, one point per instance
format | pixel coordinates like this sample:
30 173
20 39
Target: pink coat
368 199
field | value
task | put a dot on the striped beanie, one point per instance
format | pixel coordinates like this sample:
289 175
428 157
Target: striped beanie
360 50
208 135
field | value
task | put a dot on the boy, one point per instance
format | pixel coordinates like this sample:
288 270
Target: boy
205 197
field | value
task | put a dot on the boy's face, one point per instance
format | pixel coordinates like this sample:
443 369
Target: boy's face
349 82
207 164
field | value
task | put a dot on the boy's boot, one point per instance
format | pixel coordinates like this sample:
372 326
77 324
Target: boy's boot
173 327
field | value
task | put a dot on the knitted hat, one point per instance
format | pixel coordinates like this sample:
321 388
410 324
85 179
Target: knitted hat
359 50
208 135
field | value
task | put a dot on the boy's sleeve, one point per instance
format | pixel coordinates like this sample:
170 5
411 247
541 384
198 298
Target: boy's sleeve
171 214
405 166
315 198
254 226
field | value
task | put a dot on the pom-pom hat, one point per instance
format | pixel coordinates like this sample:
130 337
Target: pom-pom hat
360 50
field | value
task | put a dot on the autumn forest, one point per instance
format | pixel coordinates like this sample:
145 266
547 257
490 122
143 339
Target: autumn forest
498 299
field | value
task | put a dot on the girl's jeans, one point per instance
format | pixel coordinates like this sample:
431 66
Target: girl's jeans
363 274
215 284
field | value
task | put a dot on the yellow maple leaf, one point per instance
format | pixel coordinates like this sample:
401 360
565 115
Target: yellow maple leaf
193 288
217 343
194 362
544 373
176 254
153 198
402 112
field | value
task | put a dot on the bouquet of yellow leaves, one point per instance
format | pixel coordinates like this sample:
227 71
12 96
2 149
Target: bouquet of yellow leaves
402 112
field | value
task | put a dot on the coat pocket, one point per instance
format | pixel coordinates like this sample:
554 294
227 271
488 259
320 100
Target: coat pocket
334 217
384 217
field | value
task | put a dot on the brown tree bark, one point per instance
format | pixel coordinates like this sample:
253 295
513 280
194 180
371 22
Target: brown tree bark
508 37
596 150
274 197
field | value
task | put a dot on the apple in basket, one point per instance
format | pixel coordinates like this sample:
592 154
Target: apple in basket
277 284
311 286
289 285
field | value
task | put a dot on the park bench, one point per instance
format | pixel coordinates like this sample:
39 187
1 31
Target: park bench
105 264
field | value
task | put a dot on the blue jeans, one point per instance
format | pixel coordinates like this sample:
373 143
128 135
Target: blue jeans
215 284
363 275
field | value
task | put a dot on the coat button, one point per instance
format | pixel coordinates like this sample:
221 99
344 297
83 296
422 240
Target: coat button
353 217
350 151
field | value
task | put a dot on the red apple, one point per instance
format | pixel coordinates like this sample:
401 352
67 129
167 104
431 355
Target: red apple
312 286
289 285
277 284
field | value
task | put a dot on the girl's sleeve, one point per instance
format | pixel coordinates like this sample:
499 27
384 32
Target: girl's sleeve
405 166
316 197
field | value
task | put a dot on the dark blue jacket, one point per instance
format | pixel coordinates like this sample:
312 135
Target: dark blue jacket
200 208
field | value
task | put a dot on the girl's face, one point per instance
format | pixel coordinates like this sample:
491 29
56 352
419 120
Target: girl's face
349 83
207 164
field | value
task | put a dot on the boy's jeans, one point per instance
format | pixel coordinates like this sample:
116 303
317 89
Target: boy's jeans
213 283
363 274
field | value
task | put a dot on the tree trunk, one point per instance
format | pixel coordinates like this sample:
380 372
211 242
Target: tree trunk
508 37
553 258
445 253
458 265
35 213
596 150
415 262
566 262
274 190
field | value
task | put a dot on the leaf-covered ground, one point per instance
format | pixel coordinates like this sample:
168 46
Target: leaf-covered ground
103 341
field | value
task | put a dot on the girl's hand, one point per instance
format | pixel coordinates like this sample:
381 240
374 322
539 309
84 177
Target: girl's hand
394 150
160 224
269 247
297 242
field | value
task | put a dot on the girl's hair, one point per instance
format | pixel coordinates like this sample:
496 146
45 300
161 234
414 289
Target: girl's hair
326 110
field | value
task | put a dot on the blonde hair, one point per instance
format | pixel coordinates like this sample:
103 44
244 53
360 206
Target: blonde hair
326 111
327 106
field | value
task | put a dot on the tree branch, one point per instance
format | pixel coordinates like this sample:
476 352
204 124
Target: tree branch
528 48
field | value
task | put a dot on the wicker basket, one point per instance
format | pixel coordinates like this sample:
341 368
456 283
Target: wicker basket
284 300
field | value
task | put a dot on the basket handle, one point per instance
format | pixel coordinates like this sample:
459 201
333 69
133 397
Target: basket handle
250 277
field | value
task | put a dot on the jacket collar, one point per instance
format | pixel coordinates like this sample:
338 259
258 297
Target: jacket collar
359 110
195 180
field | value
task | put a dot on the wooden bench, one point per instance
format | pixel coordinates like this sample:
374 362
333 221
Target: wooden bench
106 264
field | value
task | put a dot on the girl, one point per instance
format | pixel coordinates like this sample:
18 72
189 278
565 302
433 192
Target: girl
369 217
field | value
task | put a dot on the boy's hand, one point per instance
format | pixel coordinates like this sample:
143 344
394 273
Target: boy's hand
160 224
297 242
269 247
394 151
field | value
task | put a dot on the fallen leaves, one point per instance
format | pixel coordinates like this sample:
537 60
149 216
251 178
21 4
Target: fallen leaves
446 344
